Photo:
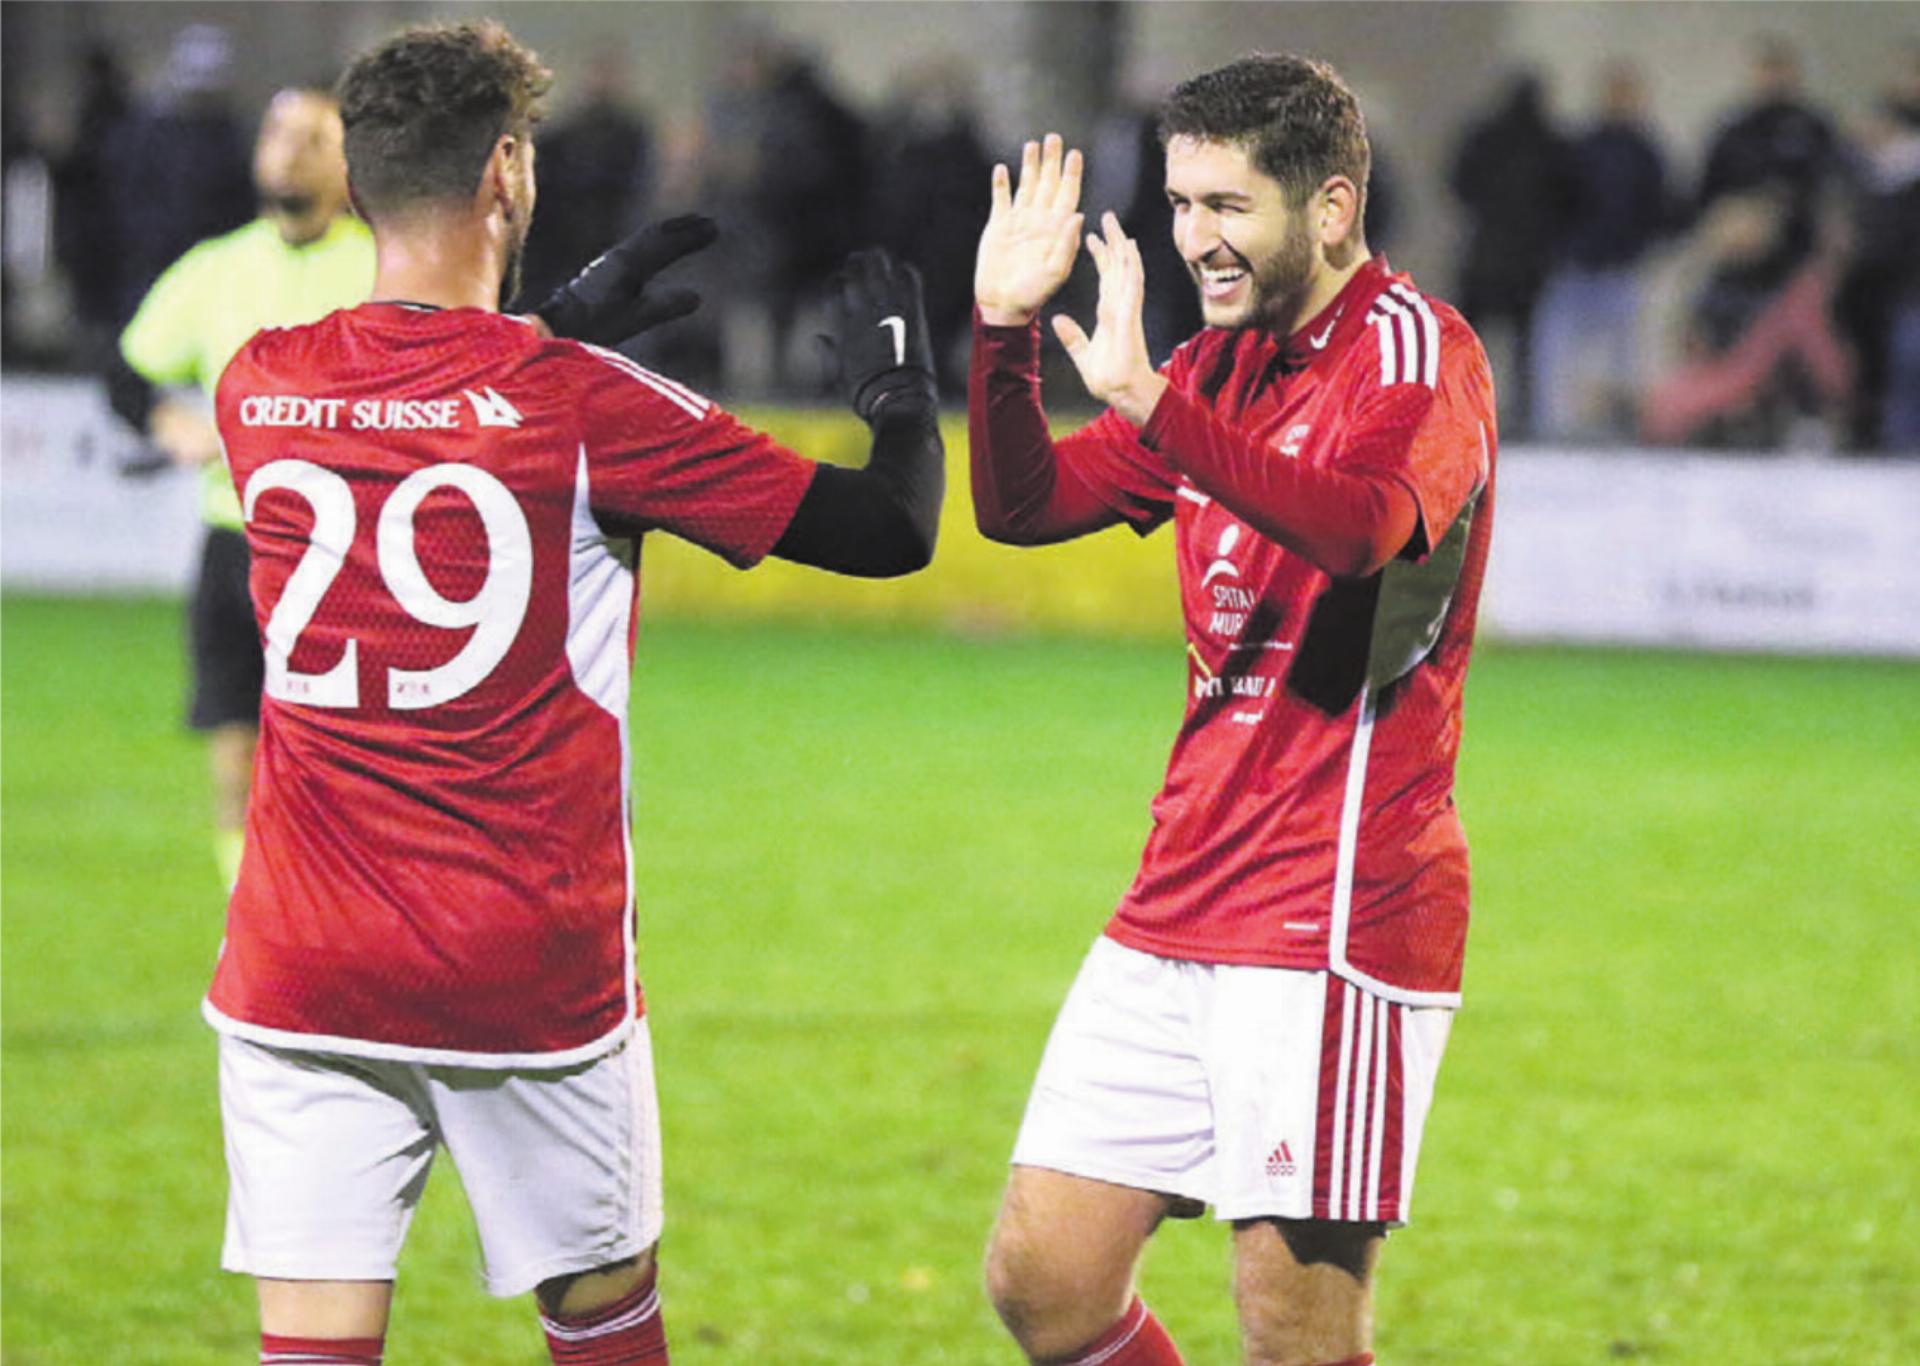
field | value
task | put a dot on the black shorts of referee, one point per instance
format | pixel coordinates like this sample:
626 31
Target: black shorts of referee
229 669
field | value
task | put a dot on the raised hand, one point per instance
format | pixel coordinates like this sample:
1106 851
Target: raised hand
1031 236
611 299
880 331
1113 362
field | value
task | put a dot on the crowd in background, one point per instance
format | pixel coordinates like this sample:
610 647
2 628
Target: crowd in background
1774 303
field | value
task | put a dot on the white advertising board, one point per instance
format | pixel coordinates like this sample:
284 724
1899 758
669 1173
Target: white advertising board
1744 552
1682 549
70 520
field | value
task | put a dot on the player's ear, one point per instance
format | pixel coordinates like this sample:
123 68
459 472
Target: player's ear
1334 212
503 169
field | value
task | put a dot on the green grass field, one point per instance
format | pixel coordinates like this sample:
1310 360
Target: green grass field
1679 1119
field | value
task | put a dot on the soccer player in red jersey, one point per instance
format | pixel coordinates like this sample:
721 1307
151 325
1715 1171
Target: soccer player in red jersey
431 941
1260 1025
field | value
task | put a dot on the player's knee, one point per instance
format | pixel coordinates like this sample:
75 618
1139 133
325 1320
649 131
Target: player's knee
580 1293
1050 1304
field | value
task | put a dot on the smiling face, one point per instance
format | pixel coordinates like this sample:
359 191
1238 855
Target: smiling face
1251 256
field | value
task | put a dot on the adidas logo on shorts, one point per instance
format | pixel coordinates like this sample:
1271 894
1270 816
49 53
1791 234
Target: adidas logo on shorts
1280 1161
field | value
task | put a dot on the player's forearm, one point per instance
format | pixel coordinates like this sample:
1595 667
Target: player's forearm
883 520
1019 494
1347 522
129 394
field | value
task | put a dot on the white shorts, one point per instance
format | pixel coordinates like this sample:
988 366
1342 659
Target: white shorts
327 1156
1263 1092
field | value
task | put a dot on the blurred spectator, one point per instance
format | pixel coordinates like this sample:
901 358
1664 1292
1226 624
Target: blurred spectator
595 168
1878 306
1760 390
1383 197
15 149
1766 367
1586 350
1511 172
1127 174
781 163
86 234
178 170
930 199
809 193
1776 144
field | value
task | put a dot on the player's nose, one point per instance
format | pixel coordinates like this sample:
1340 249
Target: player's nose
1197 234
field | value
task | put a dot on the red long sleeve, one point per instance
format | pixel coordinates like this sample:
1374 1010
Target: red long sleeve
1347 521
1023 493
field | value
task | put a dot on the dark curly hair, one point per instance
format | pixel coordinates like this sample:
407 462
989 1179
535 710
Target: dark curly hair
423 111
1297 119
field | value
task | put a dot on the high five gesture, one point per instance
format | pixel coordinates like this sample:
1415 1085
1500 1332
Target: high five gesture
1026 254
1032 236
1113 362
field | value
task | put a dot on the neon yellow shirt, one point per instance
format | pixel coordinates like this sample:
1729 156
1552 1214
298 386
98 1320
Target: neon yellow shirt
206 305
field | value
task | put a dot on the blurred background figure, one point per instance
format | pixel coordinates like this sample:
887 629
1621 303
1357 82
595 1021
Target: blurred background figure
1878 305
808 192
1586 369
87 230
177 168
1763 367
1127 173
1777 144
928 206
783 167
1511 171
596 170
302 257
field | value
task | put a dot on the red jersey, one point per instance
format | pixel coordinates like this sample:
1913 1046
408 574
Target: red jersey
444 512
1307 819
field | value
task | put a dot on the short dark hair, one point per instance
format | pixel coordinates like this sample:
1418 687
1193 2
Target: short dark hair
1297 119
423 111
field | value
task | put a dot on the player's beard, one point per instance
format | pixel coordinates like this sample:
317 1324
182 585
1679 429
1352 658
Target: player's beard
511 269
1276 284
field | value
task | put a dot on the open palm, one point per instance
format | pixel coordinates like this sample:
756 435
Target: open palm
1113 362
1032 235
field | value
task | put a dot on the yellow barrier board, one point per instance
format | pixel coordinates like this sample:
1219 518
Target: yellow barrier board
1112 582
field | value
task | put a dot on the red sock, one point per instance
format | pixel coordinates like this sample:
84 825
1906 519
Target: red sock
283 1351
1137 1340
626 1333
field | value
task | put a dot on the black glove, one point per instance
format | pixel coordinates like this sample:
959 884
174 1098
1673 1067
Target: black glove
609 301
880 327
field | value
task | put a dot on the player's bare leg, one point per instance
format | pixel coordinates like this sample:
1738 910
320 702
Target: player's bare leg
1304 1289
1061 1256
325 1309
610 1314
230 758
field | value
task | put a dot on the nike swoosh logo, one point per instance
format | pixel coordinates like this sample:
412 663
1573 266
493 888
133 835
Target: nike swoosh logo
1320 341
898 325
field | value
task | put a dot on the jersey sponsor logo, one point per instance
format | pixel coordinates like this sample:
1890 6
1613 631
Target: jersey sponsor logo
1222 566
290 410
1233 604
372 414
490 409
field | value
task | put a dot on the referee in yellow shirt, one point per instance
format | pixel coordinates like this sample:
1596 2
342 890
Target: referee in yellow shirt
305 256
